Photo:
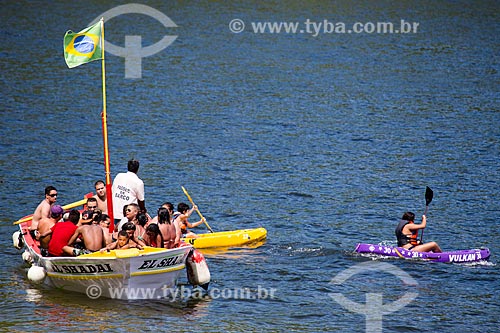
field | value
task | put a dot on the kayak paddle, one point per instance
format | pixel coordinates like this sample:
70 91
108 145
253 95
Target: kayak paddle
429 194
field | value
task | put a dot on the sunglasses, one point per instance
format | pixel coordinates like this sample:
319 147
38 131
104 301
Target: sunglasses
91 207
53 195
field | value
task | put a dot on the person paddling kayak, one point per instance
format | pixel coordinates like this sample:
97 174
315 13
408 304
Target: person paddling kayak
407 234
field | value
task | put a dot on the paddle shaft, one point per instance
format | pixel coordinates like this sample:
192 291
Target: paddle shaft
197 210
429 194
422 234
68 206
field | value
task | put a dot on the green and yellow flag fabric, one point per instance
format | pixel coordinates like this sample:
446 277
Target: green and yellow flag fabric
84 46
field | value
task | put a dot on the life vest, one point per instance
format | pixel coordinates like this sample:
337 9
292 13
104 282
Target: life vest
406 239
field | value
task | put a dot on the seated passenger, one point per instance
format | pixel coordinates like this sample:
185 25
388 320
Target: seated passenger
92 235
140 225
170 209
153 236
104 223
61 233
170 230
91 204
130 215
96 217
130 228
123 242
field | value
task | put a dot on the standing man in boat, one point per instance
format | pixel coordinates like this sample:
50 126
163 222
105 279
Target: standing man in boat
407 234
43 209
127 188
100 190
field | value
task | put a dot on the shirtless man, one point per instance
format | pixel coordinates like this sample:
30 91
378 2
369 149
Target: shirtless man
45 223
104 222
43 209
92 235
100 190
170 231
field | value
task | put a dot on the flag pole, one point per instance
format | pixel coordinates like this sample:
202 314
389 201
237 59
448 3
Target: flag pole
109 195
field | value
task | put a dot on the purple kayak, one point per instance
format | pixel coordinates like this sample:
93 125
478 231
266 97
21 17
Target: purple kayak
458 256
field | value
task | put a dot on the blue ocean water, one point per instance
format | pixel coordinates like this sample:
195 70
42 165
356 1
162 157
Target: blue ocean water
324 140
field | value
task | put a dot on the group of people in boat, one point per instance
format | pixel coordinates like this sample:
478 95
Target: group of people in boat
73 233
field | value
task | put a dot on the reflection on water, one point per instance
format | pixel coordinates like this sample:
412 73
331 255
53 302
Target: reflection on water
33 295
70 309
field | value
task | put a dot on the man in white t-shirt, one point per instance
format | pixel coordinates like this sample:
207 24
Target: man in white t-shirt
127 188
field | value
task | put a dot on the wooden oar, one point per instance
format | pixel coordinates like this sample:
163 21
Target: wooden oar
197 210
68 206
429 194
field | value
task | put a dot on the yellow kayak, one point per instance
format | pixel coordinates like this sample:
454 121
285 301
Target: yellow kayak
227 238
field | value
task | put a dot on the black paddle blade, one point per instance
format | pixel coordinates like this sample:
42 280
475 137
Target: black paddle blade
429 194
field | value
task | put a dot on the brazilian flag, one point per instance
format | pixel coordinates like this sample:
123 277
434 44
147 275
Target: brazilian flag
84 46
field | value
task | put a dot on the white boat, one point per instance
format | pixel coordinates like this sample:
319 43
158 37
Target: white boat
151 273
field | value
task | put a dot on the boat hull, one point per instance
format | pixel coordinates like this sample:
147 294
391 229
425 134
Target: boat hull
227 238
458 256
130 274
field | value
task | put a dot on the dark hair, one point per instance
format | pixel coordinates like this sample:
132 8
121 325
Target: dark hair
74 216
128 226
123 233
136 207
153 228
182 207
133 166
169 205
91 199
408 216
163 215
142 219
97 215
98 182
104 217
48 189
